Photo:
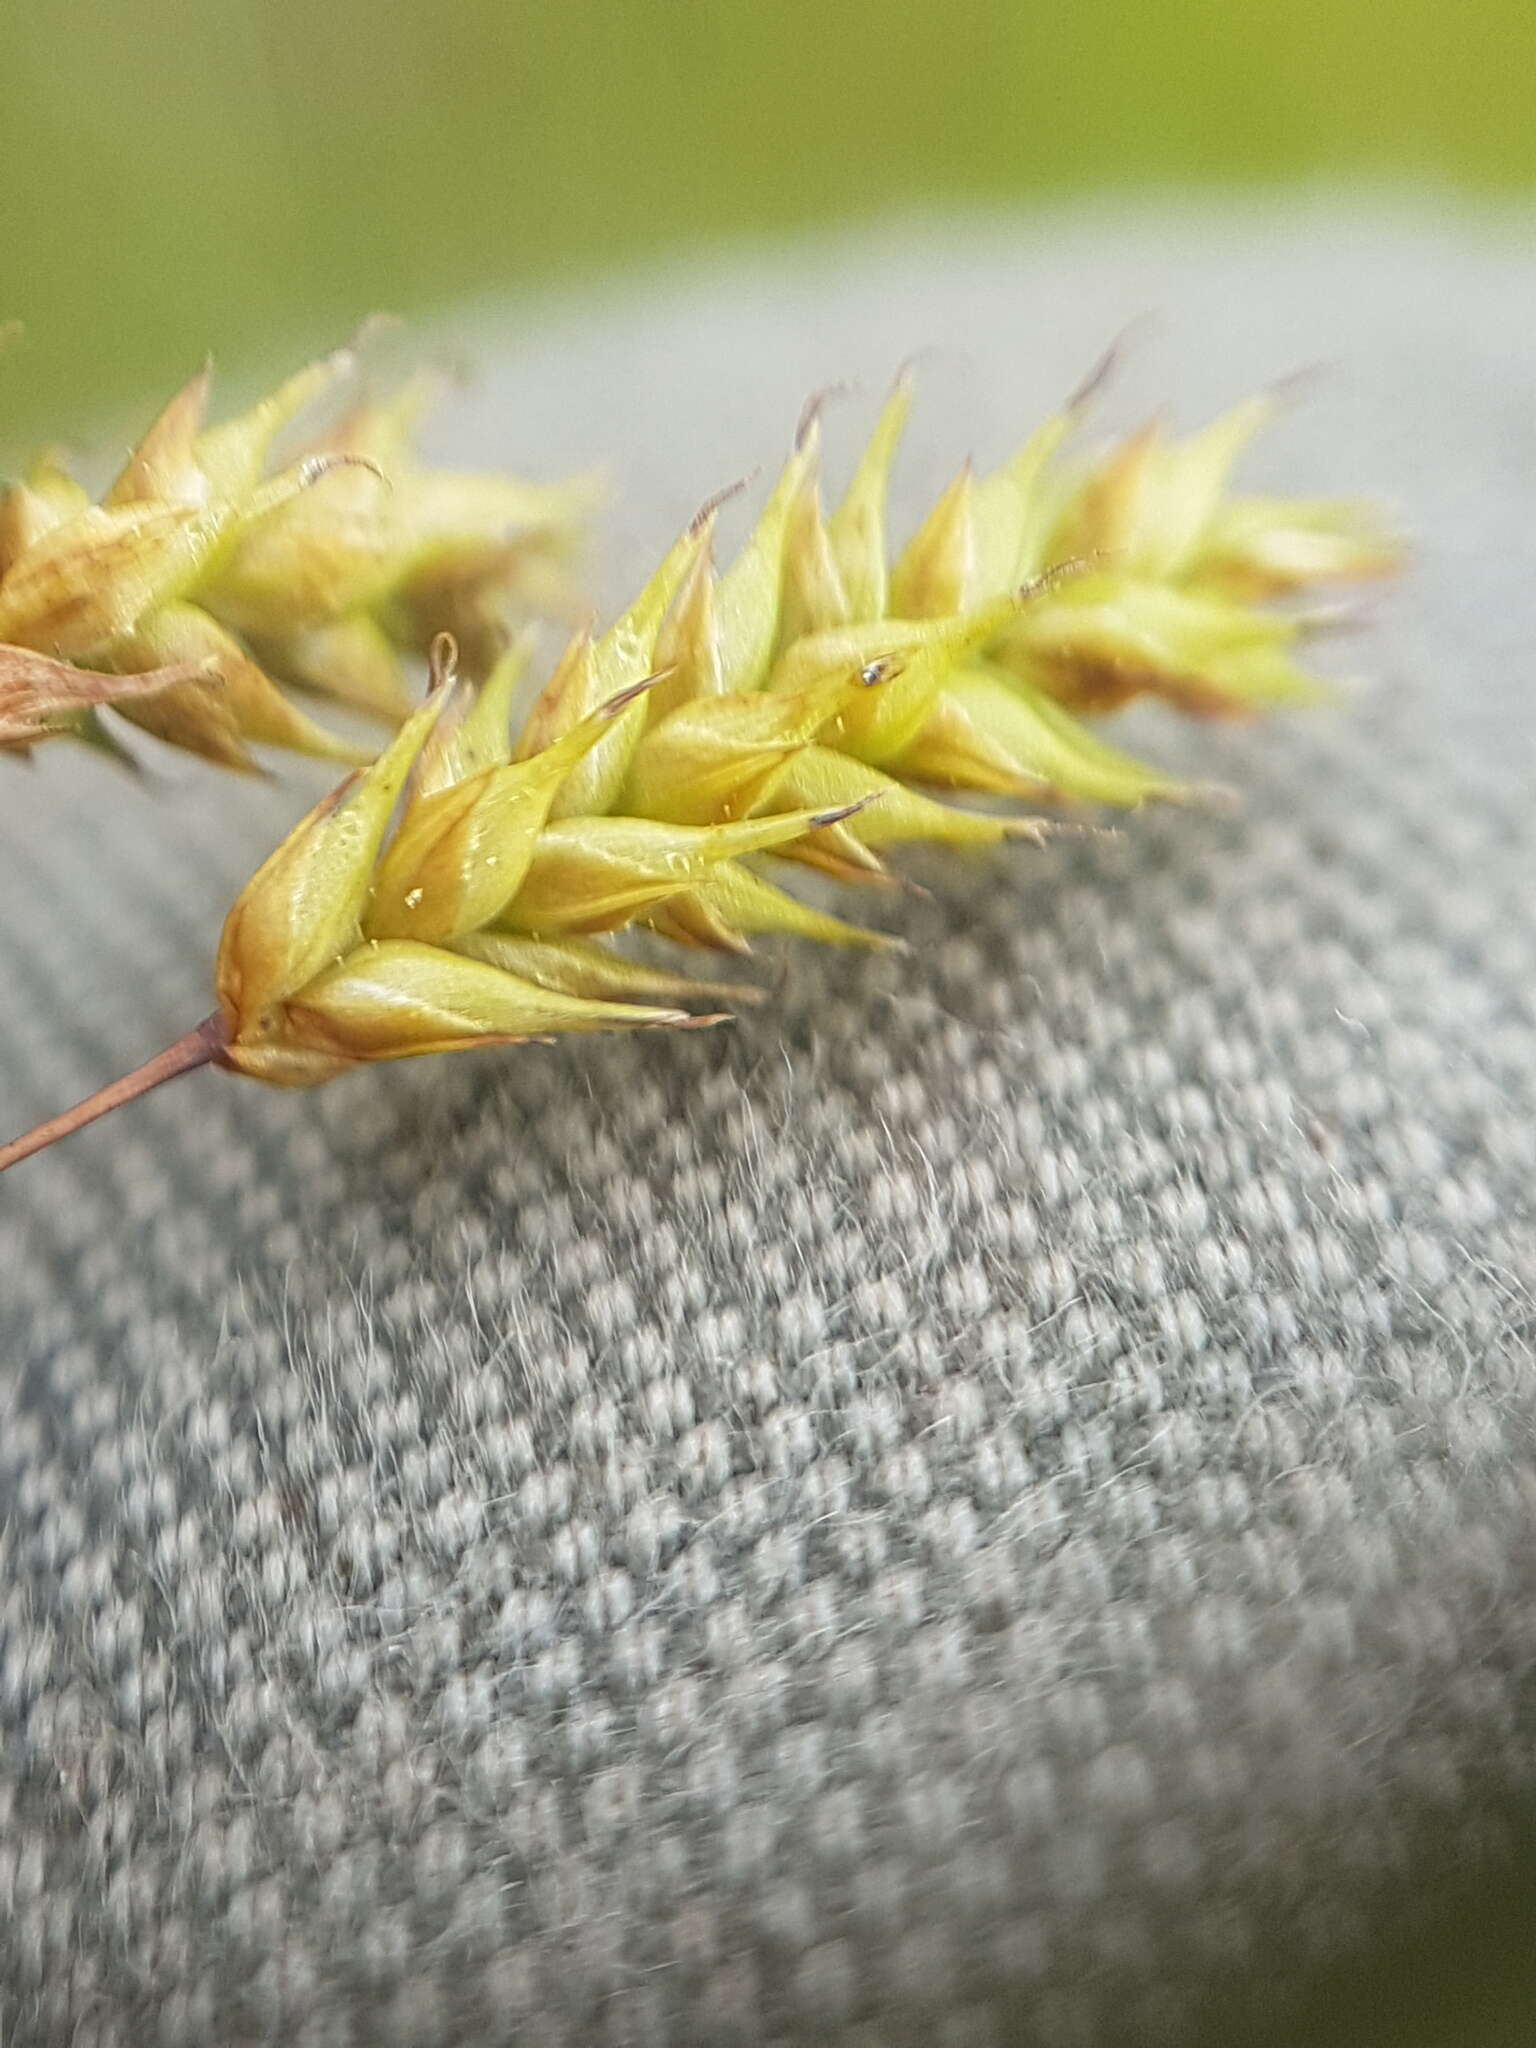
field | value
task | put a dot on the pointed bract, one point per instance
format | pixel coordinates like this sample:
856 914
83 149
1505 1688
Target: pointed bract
595 969
721 757
462 853
857 529
303 909
592 672
393 1000
598 874
732 904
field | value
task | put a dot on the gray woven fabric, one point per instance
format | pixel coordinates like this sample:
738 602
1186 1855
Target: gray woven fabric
979 1505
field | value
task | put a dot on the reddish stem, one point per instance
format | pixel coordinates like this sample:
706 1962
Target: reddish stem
197 1049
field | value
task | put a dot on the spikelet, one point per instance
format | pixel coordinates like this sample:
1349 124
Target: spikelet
223 581
800 707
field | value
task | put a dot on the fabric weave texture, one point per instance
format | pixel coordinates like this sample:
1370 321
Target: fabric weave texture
980 1505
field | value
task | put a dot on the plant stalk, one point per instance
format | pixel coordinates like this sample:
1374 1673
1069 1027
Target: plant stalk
198 1048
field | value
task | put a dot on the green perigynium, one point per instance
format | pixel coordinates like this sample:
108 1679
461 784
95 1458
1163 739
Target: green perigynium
810 704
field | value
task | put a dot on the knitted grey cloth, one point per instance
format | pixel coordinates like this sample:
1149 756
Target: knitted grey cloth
980 1504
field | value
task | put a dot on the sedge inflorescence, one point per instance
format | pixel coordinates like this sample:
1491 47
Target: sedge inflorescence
813 705
203 590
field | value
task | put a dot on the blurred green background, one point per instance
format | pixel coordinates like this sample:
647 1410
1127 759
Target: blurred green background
249 175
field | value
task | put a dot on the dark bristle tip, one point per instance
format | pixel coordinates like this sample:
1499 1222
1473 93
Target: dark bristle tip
1301 382
815 405
711 505
622 700
1105 369
825 818
314 467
